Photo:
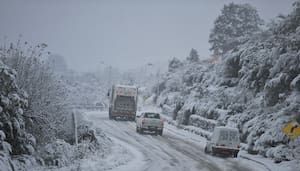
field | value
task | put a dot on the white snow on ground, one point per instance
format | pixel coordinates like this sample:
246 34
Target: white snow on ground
190 131
177 149
121 159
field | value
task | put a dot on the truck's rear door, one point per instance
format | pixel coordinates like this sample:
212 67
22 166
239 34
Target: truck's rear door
125 103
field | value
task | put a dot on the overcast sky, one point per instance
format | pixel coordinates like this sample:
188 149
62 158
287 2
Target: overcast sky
124 34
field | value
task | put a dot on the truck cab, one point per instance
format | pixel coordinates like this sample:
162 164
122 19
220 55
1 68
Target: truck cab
225 141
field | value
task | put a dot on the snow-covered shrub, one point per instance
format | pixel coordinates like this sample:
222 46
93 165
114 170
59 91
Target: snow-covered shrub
174 64
232 66
14 140
255 87
201 122
280 153
61 153
273 88
47 103
193 57
58 153
295 84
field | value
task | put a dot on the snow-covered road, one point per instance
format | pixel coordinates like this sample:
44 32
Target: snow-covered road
175 150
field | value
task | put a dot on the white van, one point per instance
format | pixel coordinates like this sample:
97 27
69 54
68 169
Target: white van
225 141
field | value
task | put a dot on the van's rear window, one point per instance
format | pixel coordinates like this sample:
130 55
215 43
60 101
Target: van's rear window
228 135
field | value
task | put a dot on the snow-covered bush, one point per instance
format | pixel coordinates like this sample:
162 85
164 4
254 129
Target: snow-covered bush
254 87
232 66
60 153
193 57
174 64
14 140
295 84
47 104
201 122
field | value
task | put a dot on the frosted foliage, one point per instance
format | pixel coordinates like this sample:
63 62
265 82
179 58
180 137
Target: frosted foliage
193 57
13 137
46 95
254 88
236 22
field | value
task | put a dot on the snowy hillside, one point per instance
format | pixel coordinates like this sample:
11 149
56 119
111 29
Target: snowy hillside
254 87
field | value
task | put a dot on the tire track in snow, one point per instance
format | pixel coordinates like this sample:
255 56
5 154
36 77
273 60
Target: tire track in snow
172 151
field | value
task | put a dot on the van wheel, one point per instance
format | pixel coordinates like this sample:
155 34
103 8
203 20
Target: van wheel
235 155
213 152
109 113
205 150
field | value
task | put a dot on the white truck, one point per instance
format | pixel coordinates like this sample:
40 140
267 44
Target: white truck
225 141
123 102
150 121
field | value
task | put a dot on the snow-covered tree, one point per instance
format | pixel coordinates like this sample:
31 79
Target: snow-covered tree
47 105
292 21
193 57
174 64
233 25
14 140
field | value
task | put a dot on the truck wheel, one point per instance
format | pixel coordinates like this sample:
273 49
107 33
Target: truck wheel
160 132
109 114
141 130
137 129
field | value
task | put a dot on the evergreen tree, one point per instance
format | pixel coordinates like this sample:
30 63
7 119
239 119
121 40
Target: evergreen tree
193 57
236 22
